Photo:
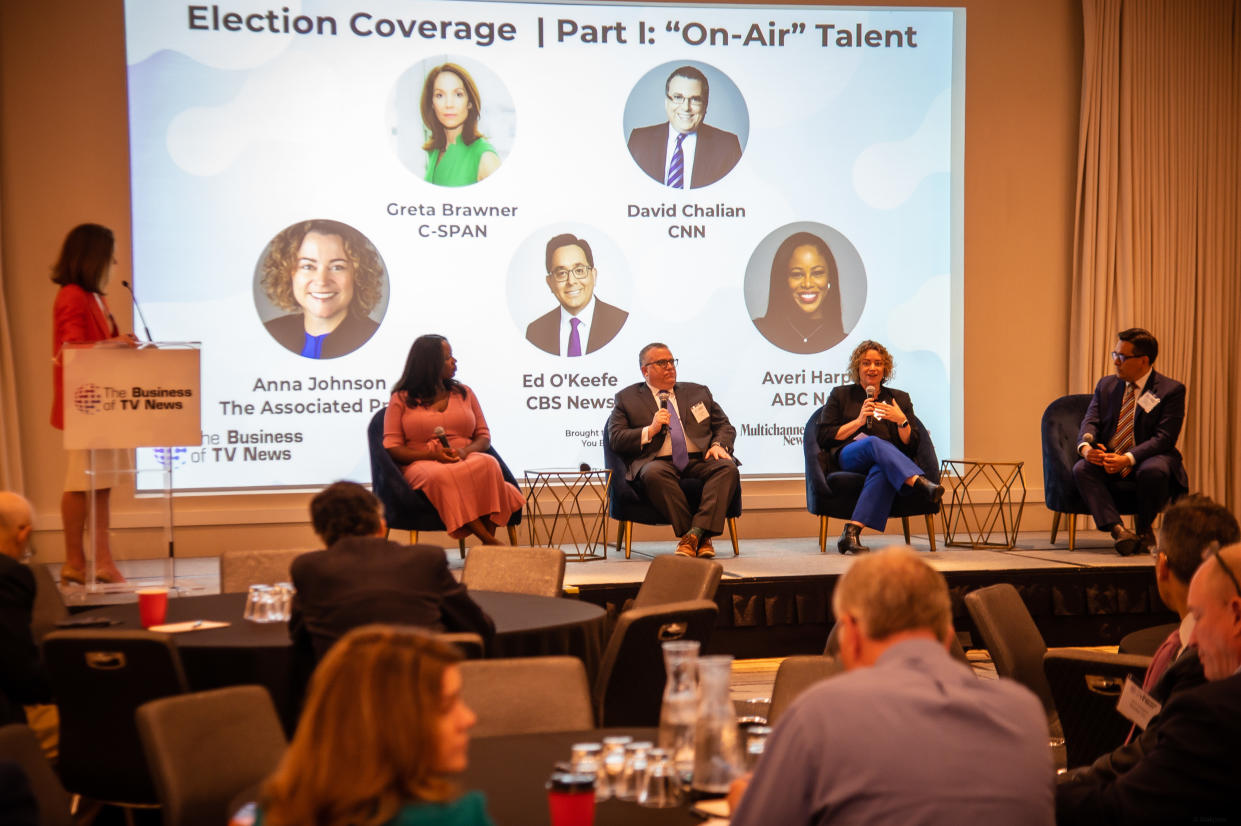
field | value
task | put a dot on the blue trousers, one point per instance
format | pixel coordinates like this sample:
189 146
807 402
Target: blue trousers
886 470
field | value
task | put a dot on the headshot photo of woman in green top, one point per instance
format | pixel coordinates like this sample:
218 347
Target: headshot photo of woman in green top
321 289
457 152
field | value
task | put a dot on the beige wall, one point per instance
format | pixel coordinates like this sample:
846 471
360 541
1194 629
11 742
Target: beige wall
64 159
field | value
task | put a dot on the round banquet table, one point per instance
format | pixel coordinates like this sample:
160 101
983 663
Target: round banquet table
512 769
249 653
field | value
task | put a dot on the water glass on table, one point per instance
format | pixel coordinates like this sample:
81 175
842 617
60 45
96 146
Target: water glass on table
661 783
258 604
633 772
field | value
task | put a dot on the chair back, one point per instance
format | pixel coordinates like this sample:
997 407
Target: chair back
1086 686
19 745
404 508
99 678
1011 637
239 569
49 604
835 494
527 695
677 579
1062 421
630 686
794 676
206 748
515 570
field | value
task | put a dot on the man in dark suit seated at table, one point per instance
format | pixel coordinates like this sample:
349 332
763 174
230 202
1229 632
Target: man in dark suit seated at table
23 680
1190 772
363 578
685 152
666 430
1129 433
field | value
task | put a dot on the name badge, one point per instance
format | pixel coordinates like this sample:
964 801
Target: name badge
1147 401
1135 705
700 412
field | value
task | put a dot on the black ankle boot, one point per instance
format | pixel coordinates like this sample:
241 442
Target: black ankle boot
849 540
933 491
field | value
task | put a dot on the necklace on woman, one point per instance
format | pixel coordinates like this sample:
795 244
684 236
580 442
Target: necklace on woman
805 337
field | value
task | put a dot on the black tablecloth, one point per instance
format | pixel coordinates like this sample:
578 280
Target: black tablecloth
247 652
511 771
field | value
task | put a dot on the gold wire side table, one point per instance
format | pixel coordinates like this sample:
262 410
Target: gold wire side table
982 498
568 506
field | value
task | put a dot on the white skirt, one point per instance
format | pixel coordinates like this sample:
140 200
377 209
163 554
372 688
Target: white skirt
110 465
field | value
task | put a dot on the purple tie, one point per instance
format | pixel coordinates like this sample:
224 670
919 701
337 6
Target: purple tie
676 170
680 456
575 340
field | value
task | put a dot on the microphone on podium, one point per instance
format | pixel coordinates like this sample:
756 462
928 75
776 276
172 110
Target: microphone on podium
138 307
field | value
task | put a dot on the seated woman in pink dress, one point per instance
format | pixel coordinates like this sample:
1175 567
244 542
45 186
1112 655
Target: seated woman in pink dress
462 481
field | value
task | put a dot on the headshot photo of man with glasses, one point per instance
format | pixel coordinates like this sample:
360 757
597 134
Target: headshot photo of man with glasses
685 152
582 323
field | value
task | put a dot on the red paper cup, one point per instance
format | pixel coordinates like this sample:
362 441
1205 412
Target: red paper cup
571 799
152 606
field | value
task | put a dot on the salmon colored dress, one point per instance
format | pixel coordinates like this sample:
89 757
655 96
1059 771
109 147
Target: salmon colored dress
460 491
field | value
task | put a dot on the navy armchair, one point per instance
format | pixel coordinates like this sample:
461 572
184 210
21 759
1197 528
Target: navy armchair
835 495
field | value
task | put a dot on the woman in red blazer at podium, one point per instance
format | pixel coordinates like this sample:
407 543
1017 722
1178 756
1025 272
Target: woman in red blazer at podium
81 316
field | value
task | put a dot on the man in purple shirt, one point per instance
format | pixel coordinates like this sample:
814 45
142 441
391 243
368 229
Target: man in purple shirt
907 735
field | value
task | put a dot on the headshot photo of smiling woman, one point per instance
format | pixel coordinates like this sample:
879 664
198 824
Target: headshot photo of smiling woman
331 282
807 296
457 152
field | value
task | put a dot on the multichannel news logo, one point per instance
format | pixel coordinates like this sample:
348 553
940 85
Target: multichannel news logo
91 398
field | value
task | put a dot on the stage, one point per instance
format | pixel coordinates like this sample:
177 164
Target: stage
775 598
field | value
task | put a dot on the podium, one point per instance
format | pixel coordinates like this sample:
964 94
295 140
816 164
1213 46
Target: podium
125 398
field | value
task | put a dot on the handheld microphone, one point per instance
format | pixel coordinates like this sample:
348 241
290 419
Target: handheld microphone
138 307
1089 440
871 391
663 399
442 436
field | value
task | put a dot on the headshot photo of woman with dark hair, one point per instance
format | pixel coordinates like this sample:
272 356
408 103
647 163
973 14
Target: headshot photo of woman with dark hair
329 278
803 300
457 152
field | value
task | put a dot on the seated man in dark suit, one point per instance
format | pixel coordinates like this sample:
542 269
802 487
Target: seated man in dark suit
1130 432
1188 527
685 152
583 322
1189 774
23 680
363 578
666 430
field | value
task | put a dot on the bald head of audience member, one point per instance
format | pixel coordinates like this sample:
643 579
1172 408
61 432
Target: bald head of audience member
1188 527
886 598
1215 603
16 524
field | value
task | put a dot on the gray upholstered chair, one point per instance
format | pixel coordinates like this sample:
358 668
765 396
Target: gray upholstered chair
239 569
19 745
1086 686
206 748
527 695
678 578
1012 638
515 570
794 676
630 686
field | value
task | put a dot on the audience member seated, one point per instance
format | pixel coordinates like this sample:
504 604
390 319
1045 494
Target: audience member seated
23 680
907 735
363 578
1189 772
1188 527
435 430
383 730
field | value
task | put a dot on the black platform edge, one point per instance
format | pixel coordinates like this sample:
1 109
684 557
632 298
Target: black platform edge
783 616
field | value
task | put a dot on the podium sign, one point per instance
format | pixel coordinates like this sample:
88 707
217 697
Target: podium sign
124 397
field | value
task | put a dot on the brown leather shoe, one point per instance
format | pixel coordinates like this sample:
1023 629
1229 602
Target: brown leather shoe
705 549
1125 541
688 546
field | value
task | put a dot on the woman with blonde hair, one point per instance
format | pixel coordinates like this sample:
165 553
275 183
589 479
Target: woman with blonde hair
383 730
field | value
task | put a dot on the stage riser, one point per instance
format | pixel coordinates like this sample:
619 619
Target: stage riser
791 615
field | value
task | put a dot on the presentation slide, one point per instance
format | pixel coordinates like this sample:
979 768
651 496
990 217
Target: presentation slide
550 187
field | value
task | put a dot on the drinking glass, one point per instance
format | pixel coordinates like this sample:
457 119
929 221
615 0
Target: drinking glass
661 784
258 603
633 771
